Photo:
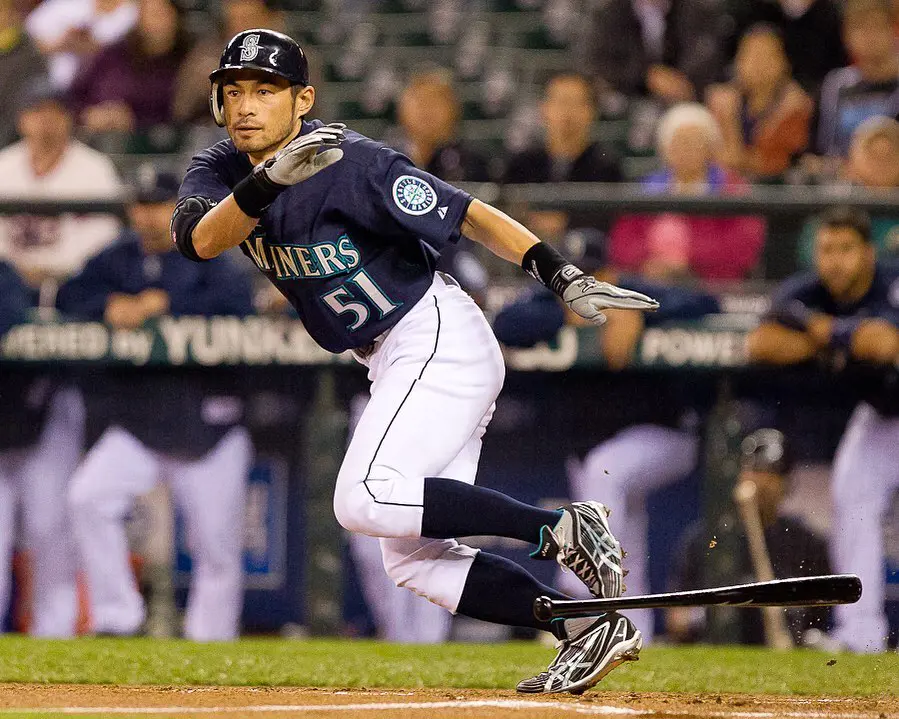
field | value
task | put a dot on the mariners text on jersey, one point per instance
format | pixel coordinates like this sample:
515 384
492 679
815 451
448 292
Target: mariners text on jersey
352 248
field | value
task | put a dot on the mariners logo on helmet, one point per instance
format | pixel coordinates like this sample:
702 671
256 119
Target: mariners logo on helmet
249 48
413 195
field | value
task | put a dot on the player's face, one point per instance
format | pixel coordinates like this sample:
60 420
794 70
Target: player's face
843 261
262 113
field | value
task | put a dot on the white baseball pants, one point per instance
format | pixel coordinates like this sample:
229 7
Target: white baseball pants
622 471
865 475
210 493
35 478
400 616
435 376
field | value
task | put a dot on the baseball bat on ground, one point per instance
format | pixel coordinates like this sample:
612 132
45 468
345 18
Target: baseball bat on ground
777 633
799 592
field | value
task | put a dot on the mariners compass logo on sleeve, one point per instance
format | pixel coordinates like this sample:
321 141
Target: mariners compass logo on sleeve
249 48
413 195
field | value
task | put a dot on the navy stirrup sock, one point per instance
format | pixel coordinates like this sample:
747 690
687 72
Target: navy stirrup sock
456 509
498 590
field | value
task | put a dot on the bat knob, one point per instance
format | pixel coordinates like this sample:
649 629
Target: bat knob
543 608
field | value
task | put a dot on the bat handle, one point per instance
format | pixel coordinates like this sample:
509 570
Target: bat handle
543 608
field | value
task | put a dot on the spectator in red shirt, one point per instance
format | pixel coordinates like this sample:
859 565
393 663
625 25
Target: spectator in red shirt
671 246
129 86
764 113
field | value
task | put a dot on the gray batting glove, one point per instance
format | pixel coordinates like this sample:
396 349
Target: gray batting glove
586 296
301 159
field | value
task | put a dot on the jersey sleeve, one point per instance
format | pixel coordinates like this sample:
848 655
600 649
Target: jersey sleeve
415 201
204 179
791 296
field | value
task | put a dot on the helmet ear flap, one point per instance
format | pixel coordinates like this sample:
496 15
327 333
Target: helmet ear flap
217 104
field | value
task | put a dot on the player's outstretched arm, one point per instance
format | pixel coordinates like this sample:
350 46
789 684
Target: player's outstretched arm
512 241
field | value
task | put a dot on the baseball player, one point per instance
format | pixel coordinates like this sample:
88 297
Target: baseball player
846 314
349 235
41 427
181 428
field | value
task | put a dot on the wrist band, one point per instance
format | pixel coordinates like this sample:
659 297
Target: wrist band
546 265
254 193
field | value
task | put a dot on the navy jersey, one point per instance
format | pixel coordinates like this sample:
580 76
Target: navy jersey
352 248
881 300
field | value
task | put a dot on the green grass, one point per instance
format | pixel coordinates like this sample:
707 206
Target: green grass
348 664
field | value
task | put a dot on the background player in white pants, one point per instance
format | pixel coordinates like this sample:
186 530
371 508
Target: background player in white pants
624 470
654 445
177 427
865 477
847 313
40 443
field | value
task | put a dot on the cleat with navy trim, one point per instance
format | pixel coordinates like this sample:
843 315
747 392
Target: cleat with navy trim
582 542
587 656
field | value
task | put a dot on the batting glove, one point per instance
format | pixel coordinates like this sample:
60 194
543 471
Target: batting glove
586 296
301 159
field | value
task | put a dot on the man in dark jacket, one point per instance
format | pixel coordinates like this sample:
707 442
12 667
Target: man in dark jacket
182 427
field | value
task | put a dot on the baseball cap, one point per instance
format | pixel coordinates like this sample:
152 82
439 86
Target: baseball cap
153 186
765 450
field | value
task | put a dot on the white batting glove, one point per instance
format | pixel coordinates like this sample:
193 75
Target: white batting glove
587 296
301 159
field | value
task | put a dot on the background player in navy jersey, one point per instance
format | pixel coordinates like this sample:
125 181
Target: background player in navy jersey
349 235
846 314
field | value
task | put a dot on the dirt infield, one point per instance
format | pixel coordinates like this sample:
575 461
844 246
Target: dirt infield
116 701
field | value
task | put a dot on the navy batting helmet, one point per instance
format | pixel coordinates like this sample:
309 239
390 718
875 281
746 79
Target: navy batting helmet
258 49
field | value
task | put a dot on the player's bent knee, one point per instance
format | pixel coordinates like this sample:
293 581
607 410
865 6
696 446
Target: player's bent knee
373 508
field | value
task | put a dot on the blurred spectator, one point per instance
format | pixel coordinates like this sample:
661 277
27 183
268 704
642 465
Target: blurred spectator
190 103
205 460
873 164
429 116
845 314
670 246
811 30
868 87
655 444
669 49
764 114
130 85
40 443
70 32
21 65
49 164
794 549
567 153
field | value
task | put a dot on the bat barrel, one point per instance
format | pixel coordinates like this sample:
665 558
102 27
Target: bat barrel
798 592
